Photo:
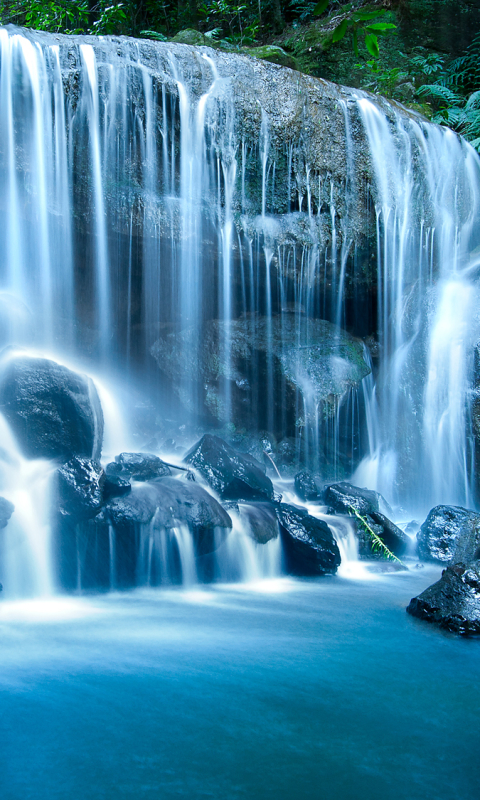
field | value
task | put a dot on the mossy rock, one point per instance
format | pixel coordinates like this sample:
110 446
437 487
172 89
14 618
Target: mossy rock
190 36
273 53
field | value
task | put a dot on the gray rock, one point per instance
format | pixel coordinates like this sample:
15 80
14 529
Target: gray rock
449 534
137 466
309 546
54 412
167 502
344 497
261 521
234 475
79 488
319 372
453 602
307 487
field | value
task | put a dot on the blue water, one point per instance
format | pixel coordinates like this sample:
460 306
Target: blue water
294 690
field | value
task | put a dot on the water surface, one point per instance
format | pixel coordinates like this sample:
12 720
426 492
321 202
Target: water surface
290 689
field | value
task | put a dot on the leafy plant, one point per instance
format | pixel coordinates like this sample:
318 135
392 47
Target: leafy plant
455 94
359 23
377 544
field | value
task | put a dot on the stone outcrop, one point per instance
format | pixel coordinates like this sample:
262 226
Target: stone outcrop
310 548
450 534
234 475
271 368
53 412
453 602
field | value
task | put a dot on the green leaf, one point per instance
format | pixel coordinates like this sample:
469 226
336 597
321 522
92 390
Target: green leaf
380 27
355 42
363 16
371 43
321 7
340 31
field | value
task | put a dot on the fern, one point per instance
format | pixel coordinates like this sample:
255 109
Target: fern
377 544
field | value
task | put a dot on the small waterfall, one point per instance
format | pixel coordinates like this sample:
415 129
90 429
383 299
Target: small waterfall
25 542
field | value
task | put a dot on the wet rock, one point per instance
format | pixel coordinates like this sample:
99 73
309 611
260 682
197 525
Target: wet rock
54 412
261 521
115 486
234 475
310 548
449 534
345 498
272 53
453 602
79 488
6 510
137 467
168 502
307 487
264 353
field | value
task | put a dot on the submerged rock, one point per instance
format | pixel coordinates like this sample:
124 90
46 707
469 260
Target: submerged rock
234 475
449 534
453 602
310 548
6 510
53 412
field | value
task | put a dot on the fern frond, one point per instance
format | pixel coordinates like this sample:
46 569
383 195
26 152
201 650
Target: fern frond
377 544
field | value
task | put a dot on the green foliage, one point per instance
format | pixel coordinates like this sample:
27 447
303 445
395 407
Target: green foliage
455 93
67 16
237 21
360 24
377 544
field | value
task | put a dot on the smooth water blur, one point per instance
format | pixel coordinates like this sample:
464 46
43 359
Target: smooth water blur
313 689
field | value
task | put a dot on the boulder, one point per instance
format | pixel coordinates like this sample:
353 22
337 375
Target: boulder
309 546
234 475
53 412
261 521
307 487
79 488
453 602
6 510
450 534
137 467
344 498
168 502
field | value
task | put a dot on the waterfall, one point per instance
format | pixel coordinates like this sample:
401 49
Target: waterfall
165 224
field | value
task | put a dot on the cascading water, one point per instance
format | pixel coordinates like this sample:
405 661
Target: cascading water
164 223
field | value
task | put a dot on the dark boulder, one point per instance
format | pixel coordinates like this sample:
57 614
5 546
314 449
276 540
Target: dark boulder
261 521
137 467
79 488
53 412
309 546
453 602
449 534
307 487
6 510
234 475
115 486
345 498
168 502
